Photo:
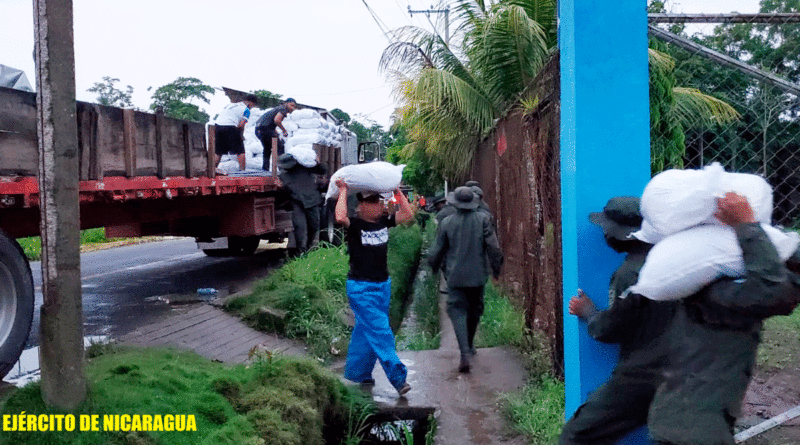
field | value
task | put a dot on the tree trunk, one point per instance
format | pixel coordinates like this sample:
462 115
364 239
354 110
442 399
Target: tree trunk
61 349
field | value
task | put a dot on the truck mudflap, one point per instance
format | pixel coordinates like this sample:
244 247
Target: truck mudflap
16 302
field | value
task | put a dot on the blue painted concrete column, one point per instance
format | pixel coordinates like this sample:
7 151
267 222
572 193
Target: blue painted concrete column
605 140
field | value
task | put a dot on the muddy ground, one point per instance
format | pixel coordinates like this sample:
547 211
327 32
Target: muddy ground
775 388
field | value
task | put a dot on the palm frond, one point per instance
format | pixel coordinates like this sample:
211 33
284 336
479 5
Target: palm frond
694 108
659 61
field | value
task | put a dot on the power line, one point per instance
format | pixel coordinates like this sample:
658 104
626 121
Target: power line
343 92
379 109
384 29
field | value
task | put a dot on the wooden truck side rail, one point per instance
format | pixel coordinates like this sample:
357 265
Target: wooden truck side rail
140 174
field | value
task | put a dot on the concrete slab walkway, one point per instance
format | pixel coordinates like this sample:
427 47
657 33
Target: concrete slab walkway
210 332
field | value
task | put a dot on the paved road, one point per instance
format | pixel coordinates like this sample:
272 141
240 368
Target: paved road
125 287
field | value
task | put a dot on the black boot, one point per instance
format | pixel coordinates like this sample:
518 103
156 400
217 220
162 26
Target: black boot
465 365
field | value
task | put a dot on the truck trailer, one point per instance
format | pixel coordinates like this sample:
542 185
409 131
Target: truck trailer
140 174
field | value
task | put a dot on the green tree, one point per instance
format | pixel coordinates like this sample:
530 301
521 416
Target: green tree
341 115
173 99
418 172
109 94
267 99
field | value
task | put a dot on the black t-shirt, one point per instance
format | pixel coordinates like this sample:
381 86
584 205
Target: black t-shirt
266 123
368 244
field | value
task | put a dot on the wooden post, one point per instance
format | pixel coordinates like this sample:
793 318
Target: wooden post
129 135
605 152
61 349
274 156
161 169
187 151
211 167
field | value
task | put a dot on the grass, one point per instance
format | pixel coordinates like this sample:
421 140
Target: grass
780 345
276 399
537 411
405 245
32 246
311 289
424 334
502 323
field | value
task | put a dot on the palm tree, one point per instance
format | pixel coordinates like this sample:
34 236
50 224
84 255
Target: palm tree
452 95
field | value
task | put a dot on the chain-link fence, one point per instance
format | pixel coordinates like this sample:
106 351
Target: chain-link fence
752 63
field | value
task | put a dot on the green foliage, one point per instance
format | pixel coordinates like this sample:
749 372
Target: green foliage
452 93
173 98
276 398
779 347
109 94
537 411
419 172
311 289
502 323
424 333
267 99
405 244
341 115
32 246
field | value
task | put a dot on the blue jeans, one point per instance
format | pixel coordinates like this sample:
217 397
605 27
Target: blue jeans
372 338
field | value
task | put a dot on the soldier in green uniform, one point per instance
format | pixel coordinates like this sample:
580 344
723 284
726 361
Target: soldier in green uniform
306 199
715 336
637 324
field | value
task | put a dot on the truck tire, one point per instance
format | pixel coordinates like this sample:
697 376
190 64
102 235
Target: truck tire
243 245
16 302
237 246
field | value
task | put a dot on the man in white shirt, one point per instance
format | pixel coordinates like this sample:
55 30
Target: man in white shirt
230 129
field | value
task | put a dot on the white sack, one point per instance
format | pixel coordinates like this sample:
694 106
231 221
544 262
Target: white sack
308 123
304 154
305 113
675 200
314 138
290 126
307 131
685 262
378 176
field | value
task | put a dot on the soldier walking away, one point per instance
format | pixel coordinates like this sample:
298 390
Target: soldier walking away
464 241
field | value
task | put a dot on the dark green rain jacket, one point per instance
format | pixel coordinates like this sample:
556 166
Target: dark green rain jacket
713 343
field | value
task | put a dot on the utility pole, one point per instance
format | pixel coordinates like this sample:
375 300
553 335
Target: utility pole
428 12
61 348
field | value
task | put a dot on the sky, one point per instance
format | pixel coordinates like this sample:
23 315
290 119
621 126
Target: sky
323 53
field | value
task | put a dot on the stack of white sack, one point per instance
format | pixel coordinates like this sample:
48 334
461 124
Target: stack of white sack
304 154
306 126
381 177
692 248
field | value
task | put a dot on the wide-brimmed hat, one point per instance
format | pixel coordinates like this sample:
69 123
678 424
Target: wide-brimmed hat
477 190
463 198
286 161
619 218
